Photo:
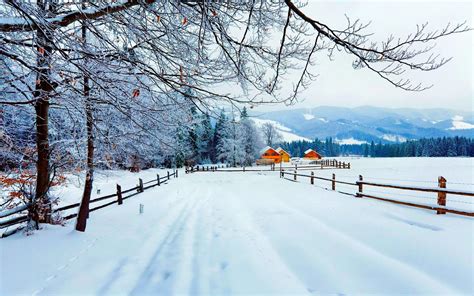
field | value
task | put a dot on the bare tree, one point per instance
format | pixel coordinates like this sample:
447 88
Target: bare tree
270 134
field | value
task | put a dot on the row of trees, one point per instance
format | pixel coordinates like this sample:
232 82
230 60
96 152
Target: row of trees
426 147
328 148
231 140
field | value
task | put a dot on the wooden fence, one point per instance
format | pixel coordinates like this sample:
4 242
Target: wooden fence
314 165
119 196
361 184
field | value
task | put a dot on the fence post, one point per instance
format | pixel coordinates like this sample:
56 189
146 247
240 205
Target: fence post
140 185
119 195
359 194
294 176
176 174
441 195
321 165
168 175
333 182
312 178
244 168
343 164
158 179
348 165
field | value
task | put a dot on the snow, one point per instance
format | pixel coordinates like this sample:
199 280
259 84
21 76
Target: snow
285 132
350 141
104 181
409 171
264 149
459 124
254 233
260 122
308 116
394 138
280 150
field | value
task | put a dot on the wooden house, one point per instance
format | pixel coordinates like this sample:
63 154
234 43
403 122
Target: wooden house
285 156
270 154
311 154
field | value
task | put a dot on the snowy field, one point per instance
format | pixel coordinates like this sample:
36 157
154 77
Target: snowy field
412 171
251 233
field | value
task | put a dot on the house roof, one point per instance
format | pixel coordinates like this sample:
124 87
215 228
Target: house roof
265 149
309 150
280 150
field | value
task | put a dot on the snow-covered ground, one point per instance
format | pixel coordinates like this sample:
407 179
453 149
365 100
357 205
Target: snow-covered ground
105 182
250 233
413 171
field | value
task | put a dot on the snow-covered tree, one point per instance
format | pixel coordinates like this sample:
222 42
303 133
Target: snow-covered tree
251 139
270 134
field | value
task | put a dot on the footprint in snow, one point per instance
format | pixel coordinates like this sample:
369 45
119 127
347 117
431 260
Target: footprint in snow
224 265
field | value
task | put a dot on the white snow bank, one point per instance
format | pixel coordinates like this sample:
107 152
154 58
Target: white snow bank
394 138
350 141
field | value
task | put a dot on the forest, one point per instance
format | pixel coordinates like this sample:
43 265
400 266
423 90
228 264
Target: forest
425 147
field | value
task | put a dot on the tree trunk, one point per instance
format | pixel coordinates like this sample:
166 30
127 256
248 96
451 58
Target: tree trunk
86 196
41 209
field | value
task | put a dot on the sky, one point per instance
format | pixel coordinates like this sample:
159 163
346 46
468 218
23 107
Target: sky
338 84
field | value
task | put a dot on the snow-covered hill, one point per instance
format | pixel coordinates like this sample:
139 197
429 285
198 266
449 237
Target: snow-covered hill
285 132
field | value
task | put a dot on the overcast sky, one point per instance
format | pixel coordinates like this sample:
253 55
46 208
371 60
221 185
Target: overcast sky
339 84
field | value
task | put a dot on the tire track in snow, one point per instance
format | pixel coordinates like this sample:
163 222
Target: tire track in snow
158 270
140 260
172 204
268 272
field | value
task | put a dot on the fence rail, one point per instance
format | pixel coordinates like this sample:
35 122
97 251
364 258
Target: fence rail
314 165
360 184
119 194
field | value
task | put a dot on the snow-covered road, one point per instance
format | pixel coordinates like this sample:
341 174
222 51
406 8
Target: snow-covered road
230 233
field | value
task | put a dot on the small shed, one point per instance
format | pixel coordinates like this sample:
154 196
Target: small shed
270 153
311 154
285 156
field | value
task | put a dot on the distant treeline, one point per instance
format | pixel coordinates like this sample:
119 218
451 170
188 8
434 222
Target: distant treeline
429 147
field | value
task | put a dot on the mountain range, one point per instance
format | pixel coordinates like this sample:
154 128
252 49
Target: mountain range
367 123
